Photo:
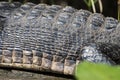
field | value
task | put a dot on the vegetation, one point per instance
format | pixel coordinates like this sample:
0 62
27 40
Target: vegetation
91 4
92 71
87 70
119 10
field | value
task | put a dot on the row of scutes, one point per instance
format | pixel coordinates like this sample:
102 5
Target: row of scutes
57 34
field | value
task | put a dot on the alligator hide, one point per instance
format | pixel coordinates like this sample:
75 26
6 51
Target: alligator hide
54 38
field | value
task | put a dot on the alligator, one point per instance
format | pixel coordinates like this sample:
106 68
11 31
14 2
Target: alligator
56 39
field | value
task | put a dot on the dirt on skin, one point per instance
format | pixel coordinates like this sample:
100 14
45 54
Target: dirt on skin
28 75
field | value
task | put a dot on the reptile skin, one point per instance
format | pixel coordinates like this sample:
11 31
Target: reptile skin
54 38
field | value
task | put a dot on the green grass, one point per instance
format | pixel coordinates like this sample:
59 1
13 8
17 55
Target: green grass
92 71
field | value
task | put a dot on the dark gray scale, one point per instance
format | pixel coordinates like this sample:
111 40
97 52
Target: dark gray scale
76 31
22 11
62 37
0 55
29 29
16 4
95 21
62 44
116 35
69 9
93 27
27 6
111 50
11 34
32 20
93 53
13 28
109 28
7 8
107 32
76 28
107 51
110 23
35 12
44 37
81 17
2 23
28 35
49 13
60 27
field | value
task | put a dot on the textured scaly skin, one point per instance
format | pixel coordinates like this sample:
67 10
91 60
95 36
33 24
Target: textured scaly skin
54 38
